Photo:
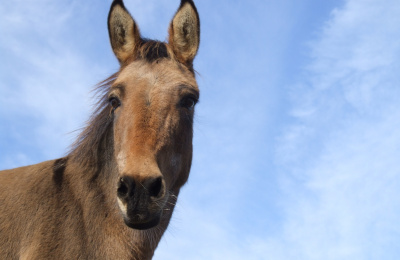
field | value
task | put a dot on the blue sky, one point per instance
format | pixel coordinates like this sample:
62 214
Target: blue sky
297 141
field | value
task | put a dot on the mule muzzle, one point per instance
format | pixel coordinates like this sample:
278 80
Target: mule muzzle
141 202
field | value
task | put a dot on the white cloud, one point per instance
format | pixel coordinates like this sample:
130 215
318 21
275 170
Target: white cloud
47 80
341 157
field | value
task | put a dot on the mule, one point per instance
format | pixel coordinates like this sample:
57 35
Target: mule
113 194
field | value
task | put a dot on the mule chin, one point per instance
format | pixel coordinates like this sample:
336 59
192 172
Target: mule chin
143 225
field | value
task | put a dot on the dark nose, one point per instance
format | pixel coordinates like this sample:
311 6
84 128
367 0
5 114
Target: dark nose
127 187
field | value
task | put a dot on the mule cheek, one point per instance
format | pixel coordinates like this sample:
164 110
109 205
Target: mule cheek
182 159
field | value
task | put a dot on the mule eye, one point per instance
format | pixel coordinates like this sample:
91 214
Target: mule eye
188 102
114 102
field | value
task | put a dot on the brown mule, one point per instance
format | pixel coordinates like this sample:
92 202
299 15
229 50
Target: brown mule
113 195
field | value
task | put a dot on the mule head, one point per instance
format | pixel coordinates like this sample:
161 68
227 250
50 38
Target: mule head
152 104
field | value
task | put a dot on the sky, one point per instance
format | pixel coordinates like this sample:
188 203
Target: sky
297 141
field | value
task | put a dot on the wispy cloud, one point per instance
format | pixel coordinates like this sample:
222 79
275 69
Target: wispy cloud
46 93
342 174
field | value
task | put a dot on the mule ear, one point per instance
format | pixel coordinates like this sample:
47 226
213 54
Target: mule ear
123 31
184 32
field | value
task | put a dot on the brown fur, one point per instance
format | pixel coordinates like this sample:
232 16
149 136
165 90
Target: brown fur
68 208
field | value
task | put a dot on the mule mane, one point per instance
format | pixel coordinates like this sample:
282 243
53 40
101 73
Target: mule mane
90 148
93 147
151 50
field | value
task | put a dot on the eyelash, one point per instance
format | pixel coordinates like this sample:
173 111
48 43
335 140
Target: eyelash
189 102
114 103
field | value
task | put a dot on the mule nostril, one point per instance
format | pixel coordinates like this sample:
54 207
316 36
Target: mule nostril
124 187
155 187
